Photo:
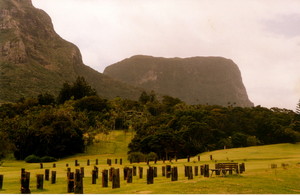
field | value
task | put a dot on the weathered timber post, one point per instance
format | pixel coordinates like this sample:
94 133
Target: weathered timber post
40 181
68 172
129 175
97 171
108 162
150 176
41 166
190 172
116 161
76 163
67 164
111 171
54 165
163 170
168 171
206 170
94 176
71 182
134 171
121 161
105 178
88 162
174 174
198 158
141 172
115 178
196 170
154 172
25 181
201 170
78 185
47 173
97 162
1 182
53 177
211 157
125 172
82 171
188 159
185 171
242 167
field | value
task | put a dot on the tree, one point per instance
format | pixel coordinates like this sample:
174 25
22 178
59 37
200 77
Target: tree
46 99
298 108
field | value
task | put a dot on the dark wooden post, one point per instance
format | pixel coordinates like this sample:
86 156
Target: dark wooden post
97 171
40 181
174 174
25 181
82 172
111 171
242 167
185 171
108 162
76 163
78 186
188 159
53 177
206 170
71 182
150 176
1 182
116 161
129 175
163 170
67 164
94 176
96 162
121 161
168 171
211 157
105 178
198 158
134 171
125 172
141 172
54 165
115 178
190 172
47 173
154 172
155 160
202 170
68 172
88 162
196 170
41 166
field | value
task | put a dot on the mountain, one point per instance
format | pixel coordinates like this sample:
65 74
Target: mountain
35 59
196 80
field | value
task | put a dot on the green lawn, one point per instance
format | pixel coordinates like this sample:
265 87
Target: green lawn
259 178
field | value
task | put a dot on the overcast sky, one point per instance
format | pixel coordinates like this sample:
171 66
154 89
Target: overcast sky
261 36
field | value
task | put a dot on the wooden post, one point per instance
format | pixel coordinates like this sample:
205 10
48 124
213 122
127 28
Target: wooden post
97 171
185 171
105 178
78 186
206 170
111 171
202 170
82 172
25 181
116 161
188 159
134 171
76 163
196 170
174 174
121 161
53 177
47 173
163 169
154 172
198 158
68 172
211 157
88 162
1 182
41 166
94 176
54 165
129 175
67 164
190 172
71 182
168 171
108 162
115 178
40 181
125 172
176 158
150 177
96 162
141 172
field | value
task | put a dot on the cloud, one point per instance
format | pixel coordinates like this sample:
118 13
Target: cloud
262 37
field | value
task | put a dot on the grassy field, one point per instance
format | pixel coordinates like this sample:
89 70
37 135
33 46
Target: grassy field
259 178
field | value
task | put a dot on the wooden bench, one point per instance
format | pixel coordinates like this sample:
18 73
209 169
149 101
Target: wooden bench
223 168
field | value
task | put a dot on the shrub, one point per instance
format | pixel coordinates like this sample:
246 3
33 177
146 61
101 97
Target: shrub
152 156
32 159
136 157
46 159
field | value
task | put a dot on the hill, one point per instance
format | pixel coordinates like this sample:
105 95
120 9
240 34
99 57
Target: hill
35 59
196 80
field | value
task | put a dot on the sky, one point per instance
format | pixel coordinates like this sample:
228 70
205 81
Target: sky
261 37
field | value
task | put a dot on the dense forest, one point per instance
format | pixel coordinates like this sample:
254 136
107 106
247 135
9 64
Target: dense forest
65 125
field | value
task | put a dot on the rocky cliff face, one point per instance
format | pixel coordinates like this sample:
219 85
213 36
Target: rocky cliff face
34 59
196 80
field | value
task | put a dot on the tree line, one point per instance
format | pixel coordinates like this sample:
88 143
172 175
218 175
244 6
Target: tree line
66 124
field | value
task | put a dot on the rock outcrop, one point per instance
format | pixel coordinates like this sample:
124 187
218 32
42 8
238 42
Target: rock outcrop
35 59
196 80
